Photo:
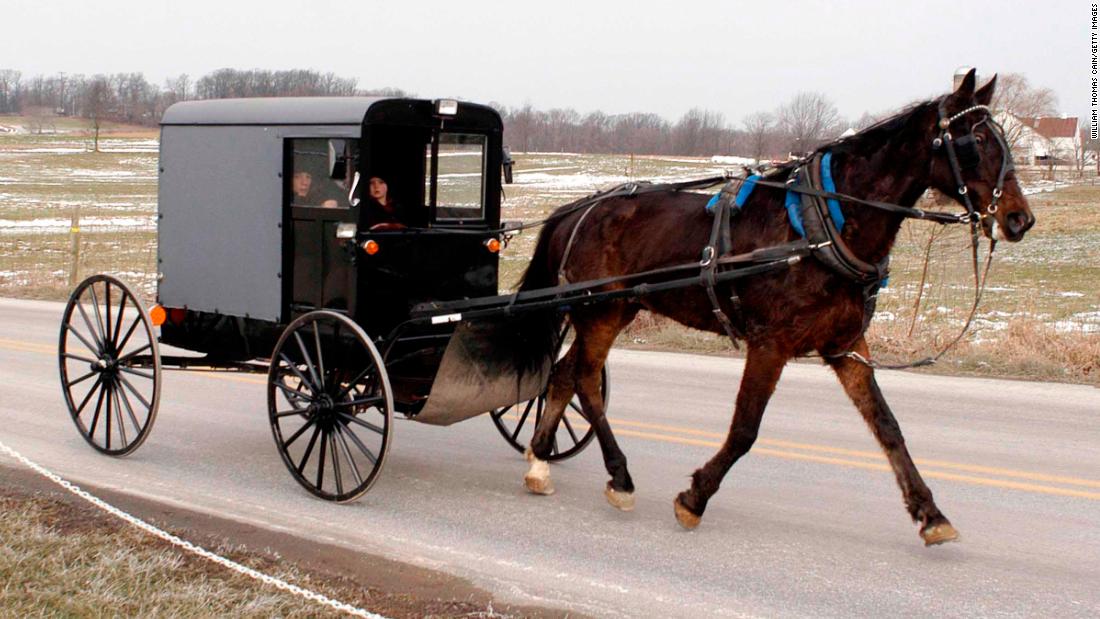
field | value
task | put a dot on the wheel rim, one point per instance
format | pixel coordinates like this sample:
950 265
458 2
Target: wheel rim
330 406
110 365
517 424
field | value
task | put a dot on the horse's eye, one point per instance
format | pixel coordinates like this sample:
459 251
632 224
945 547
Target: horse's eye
978 139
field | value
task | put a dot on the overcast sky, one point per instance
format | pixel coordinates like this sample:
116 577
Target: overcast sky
664 57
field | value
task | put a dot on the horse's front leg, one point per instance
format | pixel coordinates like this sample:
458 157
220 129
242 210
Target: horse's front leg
763 366
859 383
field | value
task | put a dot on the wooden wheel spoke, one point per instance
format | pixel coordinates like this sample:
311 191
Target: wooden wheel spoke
335 463
98 409
129 333
355 381
293 367
321 460
68 355
134 391
98 314
309 448
88 323
135 372
340 430
131 355
83 378
130 410
110 417
366 424
367 402
84 402
293 411
501 412
118 319
299 432
358 443
320 354
522 420
293 393
569 428
107 306
316 384
118 414
87 344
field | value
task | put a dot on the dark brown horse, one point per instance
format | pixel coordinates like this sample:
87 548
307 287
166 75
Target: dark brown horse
806 309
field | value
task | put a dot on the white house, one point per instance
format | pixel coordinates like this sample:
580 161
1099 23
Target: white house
1043 140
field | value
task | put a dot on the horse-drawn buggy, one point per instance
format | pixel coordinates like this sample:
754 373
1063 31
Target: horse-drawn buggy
348 248
271 259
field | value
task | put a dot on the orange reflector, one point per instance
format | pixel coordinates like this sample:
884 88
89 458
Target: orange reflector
492 245
157 315
371 247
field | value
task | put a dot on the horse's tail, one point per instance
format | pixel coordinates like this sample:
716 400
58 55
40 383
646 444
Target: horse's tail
539 329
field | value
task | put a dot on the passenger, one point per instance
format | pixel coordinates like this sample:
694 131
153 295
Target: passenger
381 211
302 185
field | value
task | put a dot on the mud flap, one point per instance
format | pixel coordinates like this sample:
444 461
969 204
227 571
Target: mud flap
488 365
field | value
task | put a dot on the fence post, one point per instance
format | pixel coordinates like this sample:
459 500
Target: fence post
74 247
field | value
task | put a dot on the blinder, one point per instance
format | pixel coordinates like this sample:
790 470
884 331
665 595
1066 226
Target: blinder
966 148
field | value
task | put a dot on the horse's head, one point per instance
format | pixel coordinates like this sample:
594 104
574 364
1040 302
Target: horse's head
972 163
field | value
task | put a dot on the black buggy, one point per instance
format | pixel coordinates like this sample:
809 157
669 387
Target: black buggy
271 261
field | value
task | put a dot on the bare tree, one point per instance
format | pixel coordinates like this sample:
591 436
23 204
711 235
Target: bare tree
1016 96
760 132
808 120
98 103
9 90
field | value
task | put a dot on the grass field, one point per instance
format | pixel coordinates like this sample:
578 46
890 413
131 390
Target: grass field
1040 316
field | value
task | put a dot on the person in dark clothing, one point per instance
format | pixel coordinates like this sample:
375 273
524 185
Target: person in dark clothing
382 213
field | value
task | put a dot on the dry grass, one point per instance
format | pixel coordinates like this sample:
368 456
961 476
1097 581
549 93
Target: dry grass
52 564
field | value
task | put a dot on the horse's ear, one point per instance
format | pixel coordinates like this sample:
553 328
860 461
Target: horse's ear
966 88
985 94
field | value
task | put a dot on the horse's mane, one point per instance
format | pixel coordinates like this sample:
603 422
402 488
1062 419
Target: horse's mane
866 140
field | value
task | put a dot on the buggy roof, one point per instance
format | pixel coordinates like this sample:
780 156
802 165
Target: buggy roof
271 111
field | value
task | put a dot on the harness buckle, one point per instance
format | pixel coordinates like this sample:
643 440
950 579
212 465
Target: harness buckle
708 256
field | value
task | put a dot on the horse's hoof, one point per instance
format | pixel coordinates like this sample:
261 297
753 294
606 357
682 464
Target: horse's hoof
623 501
939 534
684 516
537 480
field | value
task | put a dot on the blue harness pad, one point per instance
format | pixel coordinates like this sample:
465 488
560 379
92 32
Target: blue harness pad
742 194
828 185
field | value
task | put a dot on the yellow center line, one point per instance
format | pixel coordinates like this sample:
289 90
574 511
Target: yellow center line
971 468
682 435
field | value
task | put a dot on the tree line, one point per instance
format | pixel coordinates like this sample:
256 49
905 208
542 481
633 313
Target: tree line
801 124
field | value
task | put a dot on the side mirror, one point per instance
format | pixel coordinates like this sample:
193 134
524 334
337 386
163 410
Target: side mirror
507 162
337 159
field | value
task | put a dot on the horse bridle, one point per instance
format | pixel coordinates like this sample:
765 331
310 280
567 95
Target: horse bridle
963 153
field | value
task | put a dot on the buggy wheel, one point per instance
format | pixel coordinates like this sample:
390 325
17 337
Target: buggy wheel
517 423
107 353
330 405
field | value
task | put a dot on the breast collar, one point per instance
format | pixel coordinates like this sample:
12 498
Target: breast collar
822 229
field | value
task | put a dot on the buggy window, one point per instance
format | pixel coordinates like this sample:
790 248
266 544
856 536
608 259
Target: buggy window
310 184
459 177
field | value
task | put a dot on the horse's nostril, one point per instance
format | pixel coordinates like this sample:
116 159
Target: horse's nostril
1019 222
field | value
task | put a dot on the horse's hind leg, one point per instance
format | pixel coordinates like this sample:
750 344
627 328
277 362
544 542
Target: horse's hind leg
859 382
560 391
763 367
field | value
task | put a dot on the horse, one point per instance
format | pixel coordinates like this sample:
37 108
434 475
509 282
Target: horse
806 309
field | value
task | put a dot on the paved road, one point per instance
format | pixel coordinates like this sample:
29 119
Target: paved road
809 524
